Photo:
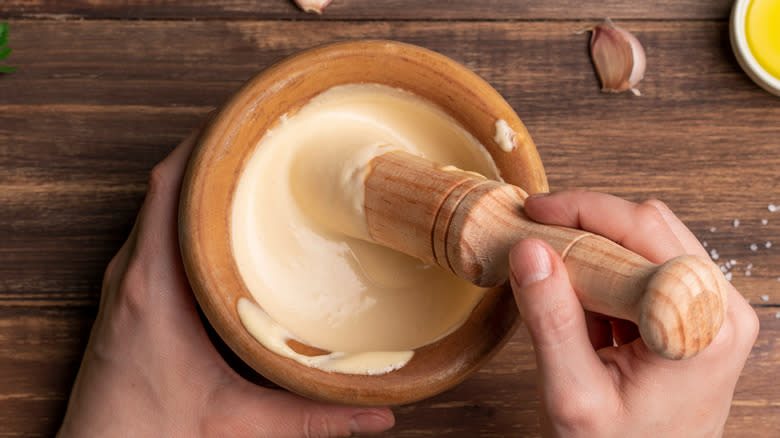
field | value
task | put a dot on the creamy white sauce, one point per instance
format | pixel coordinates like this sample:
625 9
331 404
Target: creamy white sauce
274 337
303 255
505 137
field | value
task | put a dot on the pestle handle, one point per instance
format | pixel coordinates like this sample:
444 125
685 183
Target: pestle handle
467 224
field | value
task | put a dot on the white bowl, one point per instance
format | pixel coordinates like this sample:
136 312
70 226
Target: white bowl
744 55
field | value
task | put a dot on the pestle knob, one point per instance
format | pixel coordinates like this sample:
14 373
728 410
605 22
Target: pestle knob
467 224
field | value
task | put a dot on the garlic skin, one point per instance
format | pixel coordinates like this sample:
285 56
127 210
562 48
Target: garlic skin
618 57
315 6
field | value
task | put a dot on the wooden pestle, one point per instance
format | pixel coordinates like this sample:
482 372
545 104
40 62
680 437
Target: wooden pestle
467 224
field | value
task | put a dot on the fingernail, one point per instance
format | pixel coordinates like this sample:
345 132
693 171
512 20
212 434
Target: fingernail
539 195
530 262
369 422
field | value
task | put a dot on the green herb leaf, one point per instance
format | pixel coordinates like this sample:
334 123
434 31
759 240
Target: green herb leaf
7 51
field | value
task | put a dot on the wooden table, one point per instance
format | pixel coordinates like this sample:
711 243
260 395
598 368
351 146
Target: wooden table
106 88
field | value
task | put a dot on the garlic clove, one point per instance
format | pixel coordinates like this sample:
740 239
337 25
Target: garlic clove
315 6
618 57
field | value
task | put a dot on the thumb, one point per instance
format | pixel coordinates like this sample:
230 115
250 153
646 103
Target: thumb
566 361
280 414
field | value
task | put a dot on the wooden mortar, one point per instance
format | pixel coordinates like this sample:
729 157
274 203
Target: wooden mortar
230 139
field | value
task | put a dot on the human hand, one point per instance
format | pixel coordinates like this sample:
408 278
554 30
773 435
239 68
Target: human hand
150 370
590 388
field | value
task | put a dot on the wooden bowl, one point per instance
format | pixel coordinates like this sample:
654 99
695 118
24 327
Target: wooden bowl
228 142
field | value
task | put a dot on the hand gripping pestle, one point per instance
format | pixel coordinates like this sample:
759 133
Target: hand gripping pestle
467 224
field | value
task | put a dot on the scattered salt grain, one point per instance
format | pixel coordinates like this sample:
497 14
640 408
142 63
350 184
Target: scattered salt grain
732 262
767 244
728 276
726 265
704 243
724 269
772 208
713 229
777 315
735 223
749 266
764 221
764 297
714 254
747 273
753 247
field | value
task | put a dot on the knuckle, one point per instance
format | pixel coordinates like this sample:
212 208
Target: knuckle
158 180
563 315
649 217
725 339
658 205
132 292
739 331
749 325
110 273
319 426
650 211
557 323
578 411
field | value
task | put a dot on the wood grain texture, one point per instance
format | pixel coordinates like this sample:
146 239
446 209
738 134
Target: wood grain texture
83 123
368 10
40 349
467 225
96 103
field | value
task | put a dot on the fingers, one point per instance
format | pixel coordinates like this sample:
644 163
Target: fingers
149 267
159 212
116 268
157 224
649 229
688 240
738 333
567 362
262 412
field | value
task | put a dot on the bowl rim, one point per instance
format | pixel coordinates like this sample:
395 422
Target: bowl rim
745 57
209 272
